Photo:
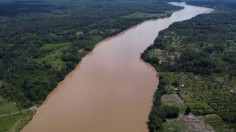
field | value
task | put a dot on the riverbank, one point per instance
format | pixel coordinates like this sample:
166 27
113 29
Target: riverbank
15 122
108 85
18 120
195 61
35 71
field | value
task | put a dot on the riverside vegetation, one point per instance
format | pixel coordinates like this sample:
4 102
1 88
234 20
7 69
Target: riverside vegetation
196 60
42 40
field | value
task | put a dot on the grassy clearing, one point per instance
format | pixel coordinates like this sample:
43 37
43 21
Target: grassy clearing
79 33
171 99
111 31
175 125
54 46
54 59
217 123
195 95
7 107
14 123
54 53
146 15
174 100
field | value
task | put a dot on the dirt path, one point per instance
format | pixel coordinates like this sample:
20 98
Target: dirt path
33 108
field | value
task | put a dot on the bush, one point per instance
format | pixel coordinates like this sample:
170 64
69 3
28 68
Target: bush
169 111
187 111
155 123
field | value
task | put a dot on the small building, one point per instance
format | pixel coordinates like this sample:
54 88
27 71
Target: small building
176 89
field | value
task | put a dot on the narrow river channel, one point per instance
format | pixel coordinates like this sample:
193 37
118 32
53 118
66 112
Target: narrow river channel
111 89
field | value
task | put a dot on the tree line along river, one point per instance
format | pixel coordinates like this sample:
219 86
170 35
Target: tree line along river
111 89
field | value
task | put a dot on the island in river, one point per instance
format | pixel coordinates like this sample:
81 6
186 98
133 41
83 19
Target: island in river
112 88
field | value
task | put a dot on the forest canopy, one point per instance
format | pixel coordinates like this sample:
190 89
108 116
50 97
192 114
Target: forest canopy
198 54
42 40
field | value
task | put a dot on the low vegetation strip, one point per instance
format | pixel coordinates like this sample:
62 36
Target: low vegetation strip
15 122
7 106
33 108
196 60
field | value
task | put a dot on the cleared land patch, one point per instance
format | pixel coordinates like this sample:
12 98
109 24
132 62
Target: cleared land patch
174 100
195 123
54 46
7 107
15 122
175 125
146 15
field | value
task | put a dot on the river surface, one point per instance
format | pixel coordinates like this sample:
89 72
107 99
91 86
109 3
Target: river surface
111 89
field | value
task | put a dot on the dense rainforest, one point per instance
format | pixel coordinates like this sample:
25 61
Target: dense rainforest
41 41
196 60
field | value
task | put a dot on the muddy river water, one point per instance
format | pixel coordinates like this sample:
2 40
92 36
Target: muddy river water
111 89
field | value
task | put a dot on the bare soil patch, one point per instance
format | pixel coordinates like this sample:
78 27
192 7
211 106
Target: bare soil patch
196 124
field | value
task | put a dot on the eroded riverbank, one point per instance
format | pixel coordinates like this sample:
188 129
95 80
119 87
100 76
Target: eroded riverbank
112 88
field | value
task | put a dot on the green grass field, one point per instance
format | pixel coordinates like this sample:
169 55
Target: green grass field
175 125
147 15
54 46
217 123
15 122
7 107
54 53
174 100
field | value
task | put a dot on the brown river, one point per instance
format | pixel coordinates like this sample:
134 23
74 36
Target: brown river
111 89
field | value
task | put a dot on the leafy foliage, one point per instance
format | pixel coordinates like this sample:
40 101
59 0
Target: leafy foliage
199 54
160 112
41 41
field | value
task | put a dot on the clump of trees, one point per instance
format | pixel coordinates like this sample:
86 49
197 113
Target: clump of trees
160 112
